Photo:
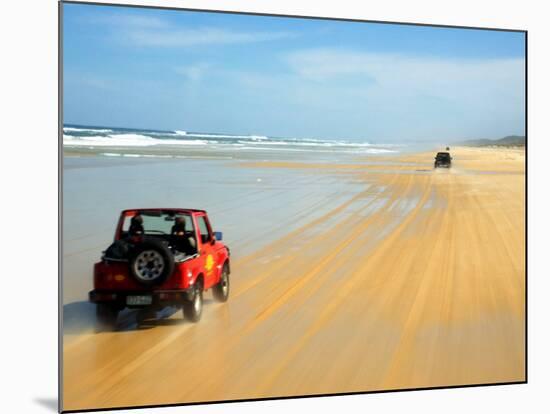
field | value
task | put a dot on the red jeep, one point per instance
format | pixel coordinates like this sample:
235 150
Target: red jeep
160 257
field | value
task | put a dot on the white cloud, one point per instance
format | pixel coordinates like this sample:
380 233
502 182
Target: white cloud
201 36
194 72
88 80
131 20
393 96
146 31
405 74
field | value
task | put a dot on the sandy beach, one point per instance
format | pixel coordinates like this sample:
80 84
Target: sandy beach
376 274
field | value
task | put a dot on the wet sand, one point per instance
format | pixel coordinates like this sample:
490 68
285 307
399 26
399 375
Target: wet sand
417 279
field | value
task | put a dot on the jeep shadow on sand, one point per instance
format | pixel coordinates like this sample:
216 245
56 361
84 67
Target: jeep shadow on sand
159 258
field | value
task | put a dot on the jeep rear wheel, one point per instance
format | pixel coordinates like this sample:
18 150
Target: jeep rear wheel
192 309
221 289
106 316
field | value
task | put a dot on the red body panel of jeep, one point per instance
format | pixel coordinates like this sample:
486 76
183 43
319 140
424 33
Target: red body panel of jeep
114 275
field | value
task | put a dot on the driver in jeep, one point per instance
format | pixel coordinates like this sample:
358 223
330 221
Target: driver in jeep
181 240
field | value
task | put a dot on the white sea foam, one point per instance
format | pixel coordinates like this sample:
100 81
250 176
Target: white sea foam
180 132
161 134
221 136
69 129
125 140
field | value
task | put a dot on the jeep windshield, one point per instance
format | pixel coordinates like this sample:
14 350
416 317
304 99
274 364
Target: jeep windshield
157 222
443 156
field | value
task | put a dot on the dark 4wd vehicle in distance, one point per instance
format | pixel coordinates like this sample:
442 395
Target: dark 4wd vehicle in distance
443 159
160 257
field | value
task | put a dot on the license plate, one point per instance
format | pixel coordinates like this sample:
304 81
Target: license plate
139 300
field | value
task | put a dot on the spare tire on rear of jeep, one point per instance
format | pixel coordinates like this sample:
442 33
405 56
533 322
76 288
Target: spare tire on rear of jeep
151 262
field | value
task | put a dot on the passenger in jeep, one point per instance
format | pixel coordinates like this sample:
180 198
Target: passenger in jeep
181 240
136 226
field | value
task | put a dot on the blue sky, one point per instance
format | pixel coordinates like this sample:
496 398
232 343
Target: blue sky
210 72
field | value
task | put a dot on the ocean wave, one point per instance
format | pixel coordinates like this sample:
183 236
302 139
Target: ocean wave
97 130
125 140
138 140
222 136
92 137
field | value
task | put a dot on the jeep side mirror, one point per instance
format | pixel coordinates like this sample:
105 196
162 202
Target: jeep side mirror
218 235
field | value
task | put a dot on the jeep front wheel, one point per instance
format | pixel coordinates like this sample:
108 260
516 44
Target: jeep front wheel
192 309
221 289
